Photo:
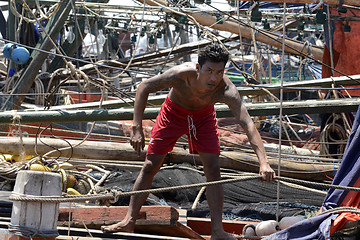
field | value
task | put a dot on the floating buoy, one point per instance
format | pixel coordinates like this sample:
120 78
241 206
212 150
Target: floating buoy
7 50
286 222
39 167
82 186
266 228
70 181
249 230
20 55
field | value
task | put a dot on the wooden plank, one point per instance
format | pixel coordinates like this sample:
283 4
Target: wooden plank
105 236
97 216
83 234
203 225
161 220
236 160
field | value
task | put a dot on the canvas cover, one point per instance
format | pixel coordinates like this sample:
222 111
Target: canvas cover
348 174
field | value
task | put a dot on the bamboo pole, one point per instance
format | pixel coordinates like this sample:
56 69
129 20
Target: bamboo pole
123 151
222 110
266 37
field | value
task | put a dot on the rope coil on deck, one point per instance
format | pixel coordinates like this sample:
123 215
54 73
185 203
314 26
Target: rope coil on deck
114 195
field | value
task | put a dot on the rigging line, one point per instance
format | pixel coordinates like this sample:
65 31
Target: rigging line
58 48
72 58
86 49
82 39
50 39
168 56
275 39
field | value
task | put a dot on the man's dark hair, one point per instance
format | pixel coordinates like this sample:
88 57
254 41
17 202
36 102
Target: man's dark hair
213 53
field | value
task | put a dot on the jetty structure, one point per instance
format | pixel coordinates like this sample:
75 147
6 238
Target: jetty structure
69 71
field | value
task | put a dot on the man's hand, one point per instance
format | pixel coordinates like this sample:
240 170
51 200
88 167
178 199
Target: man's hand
267 173
137 140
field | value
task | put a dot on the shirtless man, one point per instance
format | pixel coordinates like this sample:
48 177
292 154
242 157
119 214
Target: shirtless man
189 109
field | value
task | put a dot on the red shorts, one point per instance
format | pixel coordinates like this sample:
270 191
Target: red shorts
174 121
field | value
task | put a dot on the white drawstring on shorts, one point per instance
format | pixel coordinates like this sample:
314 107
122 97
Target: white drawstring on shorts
191 126
192 129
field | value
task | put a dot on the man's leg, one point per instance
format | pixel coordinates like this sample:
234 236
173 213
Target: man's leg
151 166
214 195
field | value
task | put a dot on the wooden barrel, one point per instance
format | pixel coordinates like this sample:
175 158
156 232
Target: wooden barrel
36 219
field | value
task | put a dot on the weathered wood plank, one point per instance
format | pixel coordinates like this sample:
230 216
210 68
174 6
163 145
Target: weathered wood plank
123 151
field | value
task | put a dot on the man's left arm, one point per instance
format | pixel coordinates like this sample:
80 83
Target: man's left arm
233 100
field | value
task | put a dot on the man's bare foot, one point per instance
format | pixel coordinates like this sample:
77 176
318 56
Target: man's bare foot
122 226
222 236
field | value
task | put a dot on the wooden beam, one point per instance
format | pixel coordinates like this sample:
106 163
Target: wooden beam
37 57
266 37
101 150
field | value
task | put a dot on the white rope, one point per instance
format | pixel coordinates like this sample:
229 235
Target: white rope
317 6
280 113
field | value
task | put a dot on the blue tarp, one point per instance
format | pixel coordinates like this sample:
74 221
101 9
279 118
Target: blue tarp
348 173
316 69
